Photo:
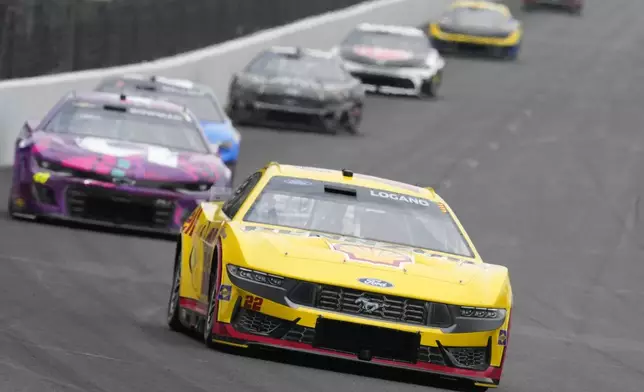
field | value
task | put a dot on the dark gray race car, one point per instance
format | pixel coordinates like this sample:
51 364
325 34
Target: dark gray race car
295 86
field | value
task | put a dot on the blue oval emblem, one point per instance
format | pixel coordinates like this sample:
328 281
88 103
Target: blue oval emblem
375 282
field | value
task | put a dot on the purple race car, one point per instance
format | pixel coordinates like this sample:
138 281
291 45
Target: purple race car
115 160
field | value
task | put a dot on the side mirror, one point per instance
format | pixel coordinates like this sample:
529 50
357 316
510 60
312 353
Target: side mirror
25 133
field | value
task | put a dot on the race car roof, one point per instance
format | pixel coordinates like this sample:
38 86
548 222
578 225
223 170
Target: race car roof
483 4
127 100
340 176
299 51
176 85
391 29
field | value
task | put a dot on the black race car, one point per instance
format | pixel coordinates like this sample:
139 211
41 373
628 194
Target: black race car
289 86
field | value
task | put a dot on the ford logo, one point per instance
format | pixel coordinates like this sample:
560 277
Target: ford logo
375 282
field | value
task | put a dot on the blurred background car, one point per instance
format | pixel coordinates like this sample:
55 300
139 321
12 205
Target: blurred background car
114 160
199 98
288 86
393 57
478 26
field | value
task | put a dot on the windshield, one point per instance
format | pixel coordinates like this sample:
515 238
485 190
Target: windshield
202 106
369 214
386 40
136 125
478 17
305 67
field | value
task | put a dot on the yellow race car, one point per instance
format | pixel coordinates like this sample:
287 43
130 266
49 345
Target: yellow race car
478 25
344 265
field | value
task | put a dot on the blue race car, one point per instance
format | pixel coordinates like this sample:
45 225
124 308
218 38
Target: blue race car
199 98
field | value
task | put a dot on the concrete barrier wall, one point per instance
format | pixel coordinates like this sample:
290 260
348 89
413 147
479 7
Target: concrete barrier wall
30 98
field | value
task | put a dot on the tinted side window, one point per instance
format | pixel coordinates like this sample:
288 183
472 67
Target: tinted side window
233 205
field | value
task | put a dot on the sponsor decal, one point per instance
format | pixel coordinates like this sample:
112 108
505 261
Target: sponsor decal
383 54
41 177
19 202
373 255
157 114
102 146
367 305
503 337
123 163
376 283
399 197
297 181
163 156
354 240
225 291
253 303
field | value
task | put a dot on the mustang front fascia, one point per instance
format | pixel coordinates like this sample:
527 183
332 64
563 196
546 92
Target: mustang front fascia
265 309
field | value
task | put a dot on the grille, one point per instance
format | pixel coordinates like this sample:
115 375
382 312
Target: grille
470 357
301 102
119 207
300 335
256 323
474 358
431 355
390 308
389 81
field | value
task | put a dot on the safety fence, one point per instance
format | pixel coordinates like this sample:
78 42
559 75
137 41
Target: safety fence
39 37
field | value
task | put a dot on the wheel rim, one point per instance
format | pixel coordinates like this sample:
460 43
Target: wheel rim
174 296
212 305
211 315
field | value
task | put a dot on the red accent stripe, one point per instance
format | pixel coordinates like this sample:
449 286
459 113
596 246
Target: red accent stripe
227 330
193 305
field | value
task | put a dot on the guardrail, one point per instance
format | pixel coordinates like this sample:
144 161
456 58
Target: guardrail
30 98
51 36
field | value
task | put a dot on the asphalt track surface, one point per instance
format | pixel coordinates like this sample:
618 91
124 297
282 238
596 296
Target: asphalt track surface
542 160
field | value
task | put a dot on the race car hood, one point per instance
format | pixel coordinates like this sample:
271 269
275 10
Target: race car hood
371 55
293 87
112 158
483 29
343 262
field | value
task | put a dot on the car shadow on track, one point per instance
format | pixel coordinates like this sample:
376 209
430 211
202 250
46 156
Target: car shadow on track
340 365
313 361
4 216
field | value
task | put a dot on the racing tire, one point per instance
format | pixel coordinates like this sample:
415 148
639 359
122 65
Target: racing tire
174 320
352 121
213 302
430 87
10 210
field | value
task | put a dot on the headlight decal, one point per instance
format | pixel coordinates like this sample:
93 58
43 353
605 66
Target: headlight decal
255 276
471 312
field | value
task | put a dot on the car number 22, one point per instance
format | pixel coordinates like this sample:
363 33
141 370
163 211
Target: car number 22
253 303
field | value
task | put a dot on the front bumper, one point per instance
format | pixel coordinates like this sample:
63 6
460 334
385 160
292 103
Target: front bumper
251 109
441 38
246 316
94 202
403 79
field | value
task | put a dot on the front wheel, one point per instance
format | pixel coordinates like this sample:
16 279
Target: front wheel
430 87
213 302
353 119
174 321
